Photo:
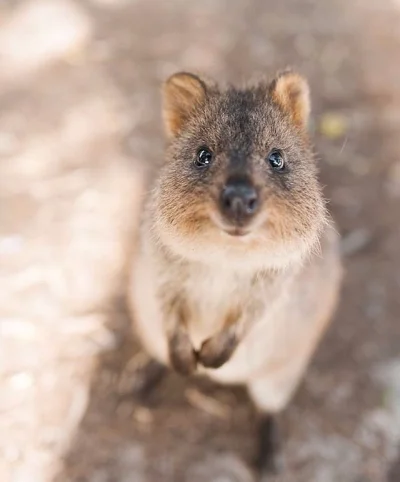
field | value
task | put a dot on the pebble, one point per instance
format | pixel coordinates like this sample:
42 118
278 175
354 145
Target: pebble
105 340
143 415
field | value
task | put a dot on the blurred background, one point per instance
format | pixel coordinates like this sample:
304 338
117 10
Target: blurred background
80 128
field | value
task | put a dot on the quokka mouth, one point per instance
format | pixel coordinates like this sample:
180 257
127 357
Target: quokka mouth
237 231
232 230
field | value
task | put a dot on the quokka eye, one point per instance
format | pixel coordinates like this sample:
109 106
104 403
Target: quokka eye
203 158
276 160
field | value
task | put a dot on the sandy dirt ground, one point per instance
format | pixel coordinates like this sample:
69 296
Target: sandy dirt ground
80 128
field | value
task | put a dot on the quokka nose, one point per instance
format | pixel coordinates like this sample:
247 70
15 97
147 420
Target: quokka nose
239 201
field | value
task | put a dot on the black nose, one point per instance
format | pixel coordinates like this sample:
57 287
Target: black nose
239 201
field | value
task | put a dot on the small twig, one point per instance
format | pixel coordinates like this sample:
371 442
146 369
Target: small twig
207 404
343 145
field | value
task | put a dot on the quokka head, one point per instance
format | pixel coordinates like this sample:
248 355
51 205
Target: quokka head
239 182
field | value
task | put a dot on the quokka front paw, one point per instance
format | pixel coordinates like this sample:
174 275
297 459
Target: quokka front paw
217 350
183 357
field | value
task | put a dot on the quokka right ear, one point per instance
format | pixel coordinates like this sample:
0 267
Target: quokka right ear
182 93
291 92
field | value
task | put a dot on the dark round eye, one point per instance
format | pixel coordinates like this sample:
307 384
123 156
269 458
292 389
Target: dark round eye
275 158
203 158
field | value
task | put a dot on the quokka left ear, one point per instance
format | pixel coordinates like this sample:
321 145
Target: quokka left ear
291 92
182 93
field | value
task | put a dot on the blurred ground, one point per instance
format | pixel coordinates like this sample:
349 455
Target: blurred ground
79 119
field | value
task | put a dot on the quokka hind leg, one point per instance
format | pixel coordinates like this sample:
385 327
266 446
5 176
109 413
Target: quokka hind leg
272 392
268 459
270 396
148 378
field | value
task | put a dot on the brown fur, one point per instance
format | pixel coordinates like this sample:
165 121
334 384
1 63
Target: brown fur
240 127
243 309
217 350
183 357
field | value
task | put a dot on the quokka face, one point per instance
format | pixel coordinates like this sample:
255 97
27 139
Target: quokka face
239 180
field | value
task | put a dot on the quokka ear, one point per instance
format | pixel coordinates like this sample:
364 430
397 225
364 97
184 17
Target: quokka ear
291 92
182 93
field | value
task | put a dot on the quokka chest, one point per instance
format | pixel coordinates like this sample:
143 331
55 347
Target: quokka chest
211 295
